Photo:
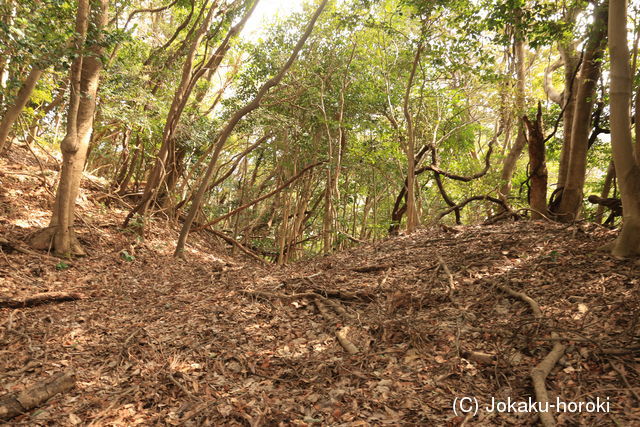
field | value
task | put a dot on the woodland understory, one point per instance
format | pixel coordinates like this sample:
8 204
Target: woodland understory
225 340
323 212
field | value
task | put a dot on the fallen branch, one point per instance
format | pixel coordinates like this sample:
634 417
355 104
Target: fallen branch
344 341
40 299
350 237
477 356
371 268
346 296
14 404
540 372
471 199
625 380
237 245
270 295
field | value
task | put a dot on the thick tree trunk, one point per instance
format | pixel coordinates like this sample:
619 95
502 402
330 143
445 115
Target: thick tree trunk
537 167
85 72
21 101
637 125
571 201
628 241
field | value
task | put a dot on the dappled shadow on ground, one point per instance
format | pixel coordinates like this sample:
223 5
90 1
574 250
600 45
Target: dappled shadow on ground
219 340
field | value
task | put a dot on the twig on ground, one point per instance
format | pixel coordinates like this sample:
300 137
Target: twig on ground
540 372
40 299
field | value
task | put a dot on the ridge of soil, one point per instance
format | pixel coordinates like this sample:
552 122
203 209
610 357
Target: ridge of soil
220 340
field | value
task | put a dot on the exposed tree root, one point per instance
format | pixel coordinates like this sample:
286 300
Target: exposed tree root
270 295
541 370
452 283
40 299
45 240
14 404
10 245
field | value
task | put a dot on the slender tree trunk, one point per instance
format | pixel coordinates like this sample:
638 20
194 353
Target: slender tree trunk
608 181
125 160
21 101
231 124
85 72
509 165
133 164
628 241
55 103
571 201
413 221
166 158
570 59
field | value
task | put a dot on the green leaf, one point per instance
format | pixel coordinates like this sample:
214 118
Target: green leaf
62 266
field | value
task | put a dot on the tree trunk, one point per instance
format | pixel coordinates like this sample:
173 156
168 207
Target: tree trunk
608 181
637 125
537 166
231 124
21 101
571 201
510 161
571 61
85 72
628 241
166 160
412 212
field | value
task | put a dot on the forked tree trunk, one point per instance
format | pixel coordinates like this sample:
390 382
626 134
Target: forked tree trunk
21 101
85 72
571 201
537 166
628 241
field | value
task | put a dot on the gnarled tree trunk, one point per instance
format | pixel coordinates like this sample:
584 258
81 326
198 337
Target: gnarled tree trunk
85 72
537 166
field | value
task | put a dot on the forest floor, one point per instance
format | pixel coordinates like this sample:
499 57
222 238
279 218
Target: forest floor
222 340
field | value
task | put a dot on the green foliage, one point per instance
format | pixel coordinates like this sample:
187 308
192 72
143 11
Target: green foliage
126 256
62 266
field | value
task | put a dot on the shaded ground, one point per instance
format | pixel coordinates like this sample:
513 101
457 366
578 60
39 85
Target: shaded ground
221 341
